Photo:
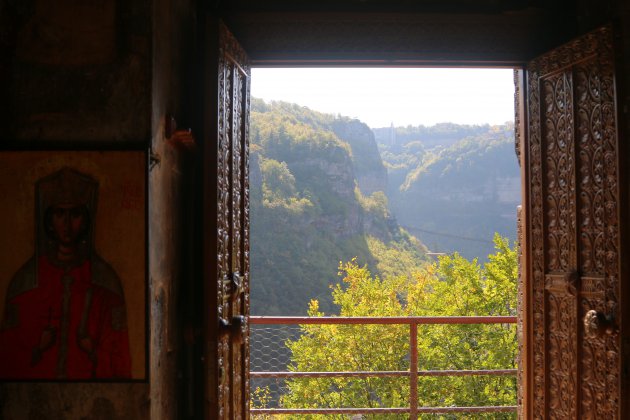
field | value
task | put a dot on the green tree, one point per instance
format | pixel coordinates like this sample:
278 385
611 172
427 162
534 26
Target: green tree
453 286
278 181
459 287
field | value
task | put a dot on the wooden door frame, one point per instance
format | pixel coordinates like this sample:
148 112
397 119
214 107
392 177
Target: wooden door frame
520 127
520 132
223 290
524 287
587 69
525 394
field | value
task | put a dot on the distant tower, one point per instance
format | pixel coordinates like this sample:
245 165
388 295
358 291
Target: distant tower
391 138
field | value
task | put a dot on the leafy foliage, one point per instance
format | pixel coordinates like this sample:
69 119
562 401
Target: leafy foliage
453 286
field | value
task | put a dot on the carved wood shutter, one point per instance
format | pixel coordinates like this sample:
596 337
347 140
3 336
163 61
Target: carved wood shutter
226 175
573 233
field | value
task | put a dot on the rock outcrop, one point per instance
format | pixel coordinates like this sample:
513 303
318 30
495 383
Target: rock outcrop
369 169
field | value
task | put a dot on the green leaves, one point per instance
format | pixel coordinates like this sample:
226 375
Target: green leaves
453 286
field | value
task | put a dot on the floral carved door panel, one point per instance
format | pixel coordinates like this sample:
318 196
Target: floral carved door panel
226 166
573 233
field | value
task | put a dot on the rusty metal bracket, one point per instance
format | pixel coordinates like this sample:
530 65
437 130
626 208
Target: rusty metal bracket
154 159
183 139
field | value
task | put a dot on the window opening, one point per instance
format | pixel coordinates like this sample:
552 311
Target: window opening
377 193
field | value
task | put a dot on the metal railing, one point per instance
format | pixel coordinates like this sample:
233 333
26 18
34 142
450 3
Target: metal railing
413 373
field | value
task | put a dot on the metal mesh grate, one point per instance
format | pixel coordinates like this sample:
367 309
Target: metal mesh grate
269 353
348 387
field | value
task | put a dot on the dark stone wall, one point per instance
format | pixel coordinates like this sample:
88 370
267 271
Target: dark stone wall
76 71
396 38
623 22
170 185
622 19
35 401
76 75
106 74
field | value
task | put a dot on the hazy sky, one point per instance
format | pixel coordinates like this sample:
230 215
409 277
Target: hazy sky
403 96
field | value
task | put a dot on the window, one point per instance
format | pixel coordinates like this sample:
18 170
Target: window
328 187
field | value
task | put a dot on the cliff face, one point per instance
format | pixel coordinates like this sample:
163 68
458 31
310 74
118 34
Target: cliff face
330 185
370 172
455 196
317 198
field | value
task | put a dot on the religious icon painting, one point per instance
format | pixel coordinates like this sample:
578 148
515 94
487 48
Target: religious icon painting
73 265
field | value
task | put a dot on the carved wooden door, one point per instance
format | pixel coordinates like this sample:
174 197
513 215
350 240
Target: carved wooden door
227 235
573 212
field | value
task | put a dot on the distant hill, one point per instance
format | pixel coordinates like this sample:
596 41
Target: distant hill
453 186
438 135
323 191
317 198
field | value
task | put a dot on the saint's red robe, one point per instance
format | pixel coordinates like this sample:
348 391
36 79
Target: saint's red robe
65 323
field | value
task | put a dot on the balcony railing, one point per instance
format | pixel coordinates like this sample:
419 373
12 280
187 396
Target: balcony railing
413 373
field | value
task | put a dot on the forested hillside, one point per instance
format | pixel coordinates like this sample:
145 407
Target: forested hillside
317 198
322 192
438 135
453 186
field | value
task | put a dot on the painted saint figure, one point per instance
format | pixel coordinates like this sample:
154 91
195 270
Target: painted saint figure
64 316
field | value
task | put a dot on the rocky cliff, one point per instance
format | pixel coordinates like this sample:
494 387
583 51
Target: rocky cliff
317 198
370 172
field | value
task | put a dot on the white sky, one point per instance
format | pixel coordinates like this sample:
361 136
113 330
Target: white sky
404 96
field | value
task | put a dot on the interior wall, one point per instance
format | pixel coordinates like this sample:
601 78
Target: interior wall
622 13
169 188
622 19
75 75
76 71
321 38
105 75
